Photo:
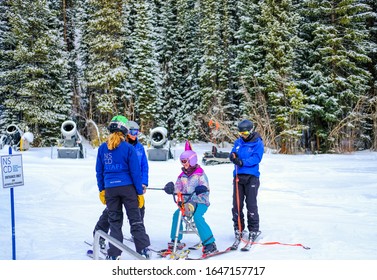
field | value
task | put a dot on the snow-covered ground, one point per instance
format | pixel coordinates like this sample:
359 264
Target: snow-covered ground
325 202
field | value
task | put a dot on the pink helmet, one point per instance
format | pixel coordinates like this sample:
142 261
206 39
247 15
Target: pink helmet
189 155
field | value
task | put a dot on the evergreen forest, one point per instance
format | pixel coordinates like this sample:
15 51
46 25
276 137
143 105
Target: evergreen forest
304 71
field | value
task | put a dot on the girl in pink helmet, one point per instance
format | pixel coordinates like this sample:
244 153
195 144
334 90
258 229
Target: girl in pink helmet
193 179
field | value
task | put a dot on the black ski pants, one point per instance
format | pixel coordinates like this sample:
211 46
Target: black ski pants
116 198
247 190
103 221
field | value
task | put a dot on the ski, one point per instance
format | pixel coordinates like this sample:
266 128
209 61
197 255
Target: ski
168 253
130 239
90 254
250 242
235 245
88 243
207 256
183 254
196 246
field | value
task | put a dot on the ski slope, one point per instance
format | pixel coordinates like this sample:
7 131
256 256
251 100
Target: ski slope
325 202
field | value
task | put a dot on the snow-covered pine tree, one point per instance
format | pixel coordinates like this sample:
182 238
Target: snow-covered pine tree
252 98
144 67
372 66
34 78
169 101
186 63
215 75
127 94
102 48
337 77
67 11
4 48
271 71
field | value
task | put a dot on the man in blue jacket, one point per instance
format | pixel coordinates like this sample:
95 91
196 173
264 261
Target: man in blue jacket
246 155
133 132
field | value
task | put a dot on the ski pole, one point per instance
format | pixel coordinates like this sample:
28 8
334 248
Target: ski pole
158 189
238 202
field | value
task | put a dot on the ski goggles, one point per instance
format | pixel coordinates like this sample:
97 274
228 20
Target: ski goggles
244 133
184 161
133 132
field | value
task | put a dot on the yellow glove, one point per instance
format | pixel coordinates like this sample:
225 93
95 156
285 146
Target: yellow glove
140 198
102 197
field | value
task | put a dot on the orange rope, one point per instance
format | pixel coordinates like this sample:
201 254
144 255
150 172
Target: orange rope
276 243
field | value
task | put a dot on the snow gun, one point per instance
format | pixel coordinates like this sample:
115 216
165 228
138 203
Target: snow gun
16 138
159 147
71 141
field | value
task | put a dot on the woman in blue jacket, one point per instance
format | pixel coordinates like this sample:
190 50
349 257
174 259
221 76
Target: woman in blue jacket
133 131
246 155
119 182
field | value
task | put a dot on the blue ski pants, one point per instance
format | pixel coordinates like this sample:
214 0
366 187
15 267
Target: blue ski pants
203 228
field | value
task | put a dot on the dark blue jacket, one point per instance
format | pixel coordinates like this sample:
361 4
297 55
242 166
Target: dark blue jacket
251 153
140 151
118 167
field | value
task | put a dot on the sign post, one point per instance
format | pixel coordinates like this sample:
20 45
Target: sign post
12 176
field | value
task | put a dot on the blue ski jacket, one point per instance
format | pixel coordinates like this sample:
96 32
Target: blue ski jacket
118 167
140 151
251 153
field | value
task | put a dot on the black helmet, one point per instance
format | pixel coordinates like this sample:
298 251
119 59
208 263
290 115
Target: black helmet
245 125
118 123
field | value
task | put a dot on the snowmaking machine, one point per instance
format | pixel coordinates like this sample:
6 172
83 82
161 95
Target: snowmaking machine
70 145
159 145
215 157
16 138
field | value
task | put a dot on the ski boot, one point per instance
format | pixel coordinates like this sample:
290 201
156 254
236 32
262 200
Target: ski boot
102 243
237 240
146 253
180 245
112 257
210 249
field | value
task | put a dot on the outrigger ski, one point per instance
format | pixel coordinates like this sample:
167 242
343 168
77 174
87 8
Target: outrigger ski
207 256
196 246
180 254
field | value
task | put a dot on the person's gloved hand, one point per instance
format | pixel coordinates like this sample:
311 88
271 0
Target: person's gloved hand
200 189
235 159
169 188
144 188
232 156
140 199
102 196
190 208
